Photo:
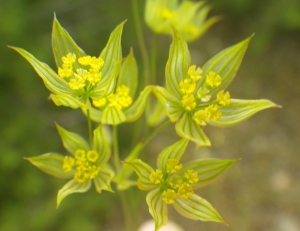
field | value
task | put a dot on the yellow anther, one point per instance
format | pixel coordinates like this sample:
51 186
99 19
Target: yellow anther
85 60
156 177
195 74
185 190
123 90
96 63
65 72
202 94
167 13
91 172
168 196
224 99
69 58
191 176
79 176
173 165
187 86
201 116
191 29
213 112
92 156
68 163
213 79
80 154
175 181
77 83
188 102
113 100
94 76
100 102
81 74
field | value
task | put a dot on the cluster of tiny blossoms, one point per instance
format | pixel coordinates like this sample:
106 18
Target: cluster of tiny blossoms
81 77
120 99
189 101
84 165
174 185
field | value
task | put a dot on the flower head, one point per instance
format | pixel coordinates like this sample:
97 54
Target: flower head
85 164
174 183
79 77
196 96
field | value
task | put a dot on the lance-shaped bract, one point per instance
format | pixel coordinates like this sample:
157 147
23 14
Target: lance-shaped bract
119 106
194 96
174 183
79 76
85 164
188 17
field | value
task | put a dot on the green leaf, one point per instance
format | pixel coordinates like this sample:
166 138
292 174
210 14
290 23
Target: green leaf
174 151
208 170
112 56
197 208
153 16
143 171
129 74
69 101
240 110
52 81
72 141
72 187
103 179
138 107
156 114
51 163
178 64
187 128
226 63
101 145
113 116
157 208
172 106
62 44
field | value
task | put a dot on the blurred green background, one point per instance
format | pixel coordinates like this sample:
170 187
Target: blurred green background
261 192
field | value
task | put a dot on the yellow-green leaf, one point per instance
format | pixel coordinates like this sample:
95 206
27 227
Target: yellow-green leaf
69 101
51 163
129 74
72 141
174 151
113 116
172 105
187 128
62 44
240 110
72 187
178 64
197 208
143 171
103 179
101 145
157 208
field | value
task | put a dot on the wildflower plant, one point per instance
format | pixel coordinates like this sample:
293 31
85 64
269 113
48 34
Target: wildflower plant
105 89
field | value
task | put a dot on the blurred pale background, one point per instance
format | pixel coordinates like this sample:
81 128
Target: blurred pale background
261 192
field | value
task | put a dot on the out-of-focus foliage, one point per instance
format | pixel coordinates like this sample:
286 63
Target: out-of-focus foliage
264 184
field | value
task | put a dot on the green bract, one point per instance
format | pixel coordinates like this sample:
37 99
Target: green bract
118 107
195 96
84 165
188 17
79 76
174 183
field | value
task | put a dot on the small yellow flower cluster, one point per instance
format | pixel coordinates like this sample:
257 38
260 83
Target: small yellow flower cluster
78 79
174 185
120 99
188 86
84 165
189 101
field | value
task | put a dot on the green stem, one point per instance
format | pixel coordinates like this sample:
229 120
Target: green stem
141 41
153 58
116 150
90 127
